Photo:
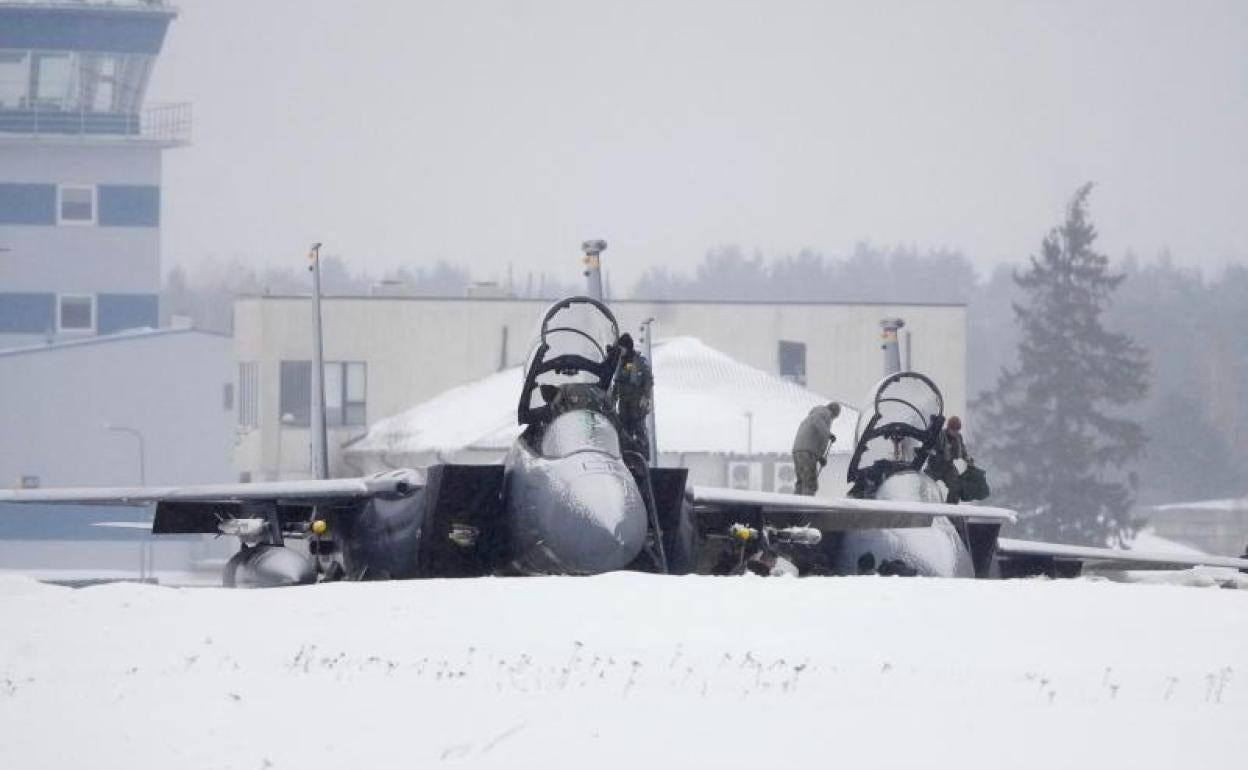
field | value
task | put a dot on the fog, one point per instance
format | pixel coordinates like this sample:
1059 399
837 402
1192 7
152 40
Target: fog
503 133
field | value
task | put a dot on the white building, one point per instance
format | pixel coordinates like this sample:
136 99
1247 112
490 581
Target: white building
387 354
152 406
728 423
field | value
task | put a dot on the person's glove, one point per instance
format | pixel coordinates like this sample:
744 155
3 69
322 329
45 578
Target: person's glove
831 438
822 461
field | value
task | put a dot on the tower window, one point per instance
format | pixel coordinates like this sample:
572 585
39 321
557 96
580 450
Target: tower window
76 205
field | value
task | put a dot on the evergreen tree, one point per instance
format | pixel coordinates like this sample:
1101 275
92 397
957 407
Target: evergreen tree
1050 429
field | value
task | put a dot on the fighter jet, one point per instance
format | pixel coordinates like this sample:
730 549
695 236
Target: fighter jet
568 499
897 432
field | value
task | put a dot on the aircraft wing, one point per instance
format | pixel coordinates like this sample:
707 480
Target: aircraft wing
833 514
393 483
1057 555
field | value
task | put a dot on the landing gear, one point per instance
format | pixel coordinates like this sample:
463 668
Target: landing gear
640 469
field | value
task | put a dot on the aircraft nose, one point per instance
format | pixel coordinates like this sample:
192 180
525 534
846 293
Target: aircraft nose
608 528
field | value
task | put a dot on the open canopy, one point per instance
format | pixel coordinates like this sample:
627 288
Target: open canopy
900 426
574 345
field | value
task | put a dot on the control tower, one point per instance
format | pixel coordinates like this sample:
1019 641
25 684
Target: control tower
80 167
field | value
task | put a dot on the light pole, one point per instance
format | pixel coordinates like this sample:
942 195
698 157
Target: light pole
142 449
749 433
320 445
146 557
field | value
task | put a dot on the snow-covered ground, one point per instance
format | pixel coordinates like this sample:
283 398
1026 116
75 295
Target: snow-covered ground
625 670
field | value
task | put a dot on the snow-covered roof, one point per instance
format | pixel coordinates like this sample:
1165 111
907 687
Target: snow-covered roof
127 335
126 5
705 402
1227 504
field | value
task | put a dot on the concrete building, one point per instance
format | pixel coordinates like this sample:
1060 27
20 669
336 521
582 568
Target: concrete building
149 407
387 354
80 167
153 407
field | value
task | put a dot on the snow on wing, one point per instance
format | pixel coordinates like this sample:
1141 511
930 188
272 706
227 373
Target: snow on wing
839 514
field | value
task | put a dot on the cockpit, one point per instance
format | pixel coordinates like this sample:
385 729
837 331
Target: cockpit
897 433
565 402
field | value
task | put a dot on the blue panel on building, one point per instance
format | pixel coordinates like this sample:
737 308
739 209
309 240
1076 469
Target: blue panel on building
27 313
129 205
27 204
117 312
82 29
67 522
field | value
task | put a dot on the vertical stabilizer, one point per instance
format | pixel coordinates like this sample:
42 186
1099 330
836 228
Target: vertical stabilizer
593 268
888 343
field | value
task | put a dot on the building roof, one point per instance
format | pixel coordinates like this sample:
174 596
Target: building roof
705 402
621 301
155 6
1228 505
129 335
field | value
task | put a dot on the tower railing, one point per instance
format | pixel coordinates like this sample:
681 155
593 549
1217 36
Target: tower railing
160 122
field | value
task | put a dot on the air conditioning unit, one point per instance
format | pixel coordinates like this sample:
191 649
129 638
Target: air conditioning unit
745 475
783 477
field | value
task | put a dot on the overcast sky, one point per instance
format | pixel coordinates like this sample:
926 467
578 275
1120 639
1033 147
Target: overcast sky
509 131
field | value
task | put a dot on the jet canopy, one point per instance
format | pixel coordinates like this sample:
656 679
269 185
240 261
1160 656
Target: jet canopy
574 352
898 429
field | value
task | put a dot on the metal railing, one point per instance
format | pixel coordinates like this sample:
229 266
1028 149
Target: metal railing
168 123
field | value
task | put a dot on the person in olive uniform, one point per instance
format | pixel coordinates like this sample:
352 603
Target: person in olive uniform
810 446
634 385
950 446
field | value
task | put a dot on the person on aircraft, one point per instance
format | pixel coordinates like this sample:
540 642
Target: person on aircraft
810 446
634 384
950 446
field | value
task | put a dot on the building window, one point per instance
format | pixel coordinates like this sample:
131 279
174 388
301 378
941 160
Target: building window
52 78
791 357
14 79
345 387
76 205
249 394
76 313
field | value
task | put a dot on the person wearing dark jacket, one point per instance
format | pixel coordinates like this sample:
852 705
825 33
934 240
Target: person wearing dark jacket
634 387
950 446
810 446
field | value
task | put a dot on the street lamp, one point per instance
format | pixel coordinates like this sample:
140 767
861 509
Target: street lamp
142 449
146 556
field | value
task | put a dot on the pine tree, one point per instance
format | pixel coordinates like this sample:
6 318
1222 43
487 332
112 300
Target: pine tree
1050 431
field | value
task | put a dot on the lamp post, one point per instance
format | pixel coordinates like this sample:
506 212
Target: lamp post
749 433
320 444
146 557
142 449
